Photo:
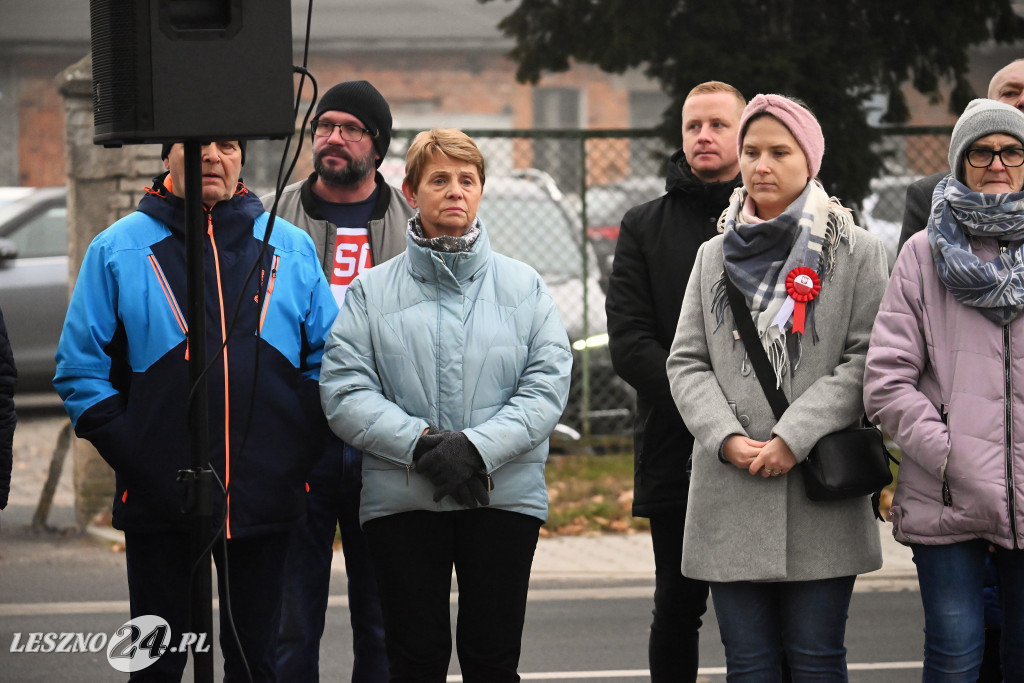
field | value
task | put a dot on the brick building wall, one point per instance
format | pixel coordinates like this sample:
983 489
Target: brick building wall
39 123
478 90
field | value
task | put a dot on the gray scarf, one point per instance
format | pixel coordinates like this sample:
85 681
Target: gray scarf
995 288
444 243
759 256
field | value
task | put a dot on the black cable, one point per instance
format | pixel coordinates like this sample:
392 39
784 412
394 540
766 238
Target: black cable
260 298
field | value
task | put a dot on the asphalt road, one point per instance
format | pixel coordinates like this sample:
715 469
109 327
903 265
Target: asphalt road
575 630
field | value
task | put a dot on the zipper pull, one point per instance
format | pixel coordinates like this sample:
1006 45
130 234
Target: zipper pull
408 474
947 498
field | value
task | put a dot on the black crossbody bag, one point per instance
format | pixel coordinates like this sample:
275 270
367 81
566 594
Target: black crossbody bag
849 463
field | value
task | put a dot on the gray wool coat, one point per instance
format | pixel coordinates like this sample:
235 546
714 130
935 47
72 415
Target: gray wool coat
741 527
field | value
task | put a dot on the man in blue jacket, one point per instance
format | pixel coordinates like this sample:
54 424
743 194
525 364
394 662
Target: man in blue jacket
122 371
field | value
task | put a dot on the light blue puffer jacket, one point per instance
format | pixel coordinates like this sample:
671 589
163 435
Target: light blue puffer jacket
466 342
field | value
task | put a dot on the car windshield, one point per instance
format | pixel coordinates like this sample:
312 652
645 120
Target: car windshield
43 235
9 208
534 231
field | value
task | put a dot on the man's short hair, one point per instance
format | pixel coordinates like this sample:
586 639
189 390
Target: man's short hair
711 87
448 142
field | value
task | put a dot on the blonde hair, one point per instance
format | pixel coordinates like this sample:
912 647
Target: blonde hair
711 87
448 142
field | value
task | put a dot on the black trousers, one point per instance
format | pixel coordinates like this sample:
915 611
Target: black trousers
158 584
679 604
413 554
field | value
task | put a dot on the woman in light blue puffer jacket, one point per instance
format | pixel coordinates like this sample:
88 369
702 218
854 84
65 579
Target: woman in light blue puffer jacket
449 367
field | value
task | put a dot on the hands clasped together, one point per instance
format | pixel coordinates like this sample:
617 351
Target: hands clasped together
767 458
453 465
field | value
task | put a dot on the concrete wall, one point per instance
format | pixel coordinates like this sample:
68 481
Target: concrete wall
103 185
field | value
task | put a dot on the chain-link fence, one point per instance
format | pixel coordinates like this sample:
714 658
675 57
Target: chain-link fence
910 154
554 199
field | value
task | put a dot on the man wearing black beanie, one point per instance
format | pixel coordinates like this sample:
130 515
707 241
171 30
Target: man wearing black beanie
356 221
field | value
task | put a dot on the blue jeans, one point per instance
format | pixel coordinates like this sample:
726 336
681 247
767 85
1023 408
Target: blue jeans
806 620
952 579
332 501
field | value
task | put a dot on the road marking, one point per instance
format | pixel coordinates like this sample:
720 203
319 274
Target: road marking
706 671
35 609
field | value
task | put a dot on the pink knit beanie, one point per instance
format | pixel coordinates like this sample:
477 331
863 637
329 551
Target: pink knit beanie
800 122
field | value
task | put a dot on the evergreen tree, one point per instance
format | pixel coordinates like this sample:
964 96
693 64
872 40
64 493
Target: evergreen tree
832 54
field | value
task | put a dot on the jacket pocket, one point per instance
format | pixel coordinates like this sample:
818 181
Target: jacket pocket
270 289
947 497
179 317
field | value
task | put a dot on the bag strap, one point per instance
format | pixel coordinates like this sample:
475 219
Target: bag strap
755 352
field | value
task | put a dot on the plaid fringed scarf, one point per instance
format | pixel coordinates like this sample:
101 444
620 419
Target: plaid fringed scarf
995 288
759 256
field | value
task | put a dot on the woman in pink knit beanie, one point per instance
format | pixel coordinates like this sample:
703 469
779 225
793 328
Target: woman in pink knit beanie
781 566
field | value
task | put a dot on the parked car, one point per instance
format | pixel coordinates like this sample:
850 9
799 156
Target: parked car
607 204
34 279
528 219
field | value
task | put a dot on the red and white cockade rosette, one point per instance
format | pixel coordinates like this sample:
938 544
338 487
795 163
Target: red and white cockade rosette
802 285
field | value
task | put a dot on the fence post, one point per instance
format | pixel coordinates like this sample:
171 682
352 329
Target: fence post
585 353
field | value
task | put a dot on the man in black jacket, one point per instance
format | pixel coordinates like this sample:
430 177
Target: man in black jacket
657 245
8 418
1006 86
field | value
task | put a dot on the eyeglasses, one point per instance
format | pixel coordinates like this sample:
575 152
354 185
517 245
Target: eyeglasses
1011 157
323 129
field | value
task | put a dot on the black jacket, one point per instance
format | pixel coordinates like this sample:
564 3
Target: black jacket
657 245
918 206
8 418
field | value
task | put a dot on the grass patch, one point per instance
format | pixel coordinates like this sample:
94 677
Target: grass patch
590 494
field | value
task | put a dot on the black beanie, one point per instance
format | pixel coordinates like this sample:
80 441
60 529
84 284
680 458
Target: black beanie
166 149
363 101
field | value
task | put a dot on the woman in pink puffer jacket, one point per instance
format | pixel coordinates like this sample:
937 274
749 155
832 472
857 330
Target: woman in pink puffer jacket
945 378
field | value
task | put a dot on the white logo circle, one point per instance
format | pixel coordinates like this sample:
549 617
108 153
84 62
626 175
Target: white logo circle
805 280
138 643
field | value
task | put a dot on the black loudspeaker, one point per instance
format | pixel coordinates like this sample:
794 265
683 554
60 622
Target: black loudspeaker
171 70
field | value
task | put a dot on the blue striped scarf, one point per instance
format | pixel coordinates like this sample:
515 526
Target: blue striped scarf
995 288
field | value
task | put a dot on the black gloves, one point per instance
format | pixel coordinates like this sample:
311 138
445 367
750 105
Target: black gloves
471 493
453 465
431 438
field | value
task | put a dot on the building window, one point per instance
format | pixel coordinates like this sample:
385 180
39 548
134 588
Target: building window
646 156
558 108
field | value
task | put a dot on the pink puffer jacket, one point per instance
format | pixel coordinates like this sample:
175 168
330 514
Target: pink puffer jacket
948 385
